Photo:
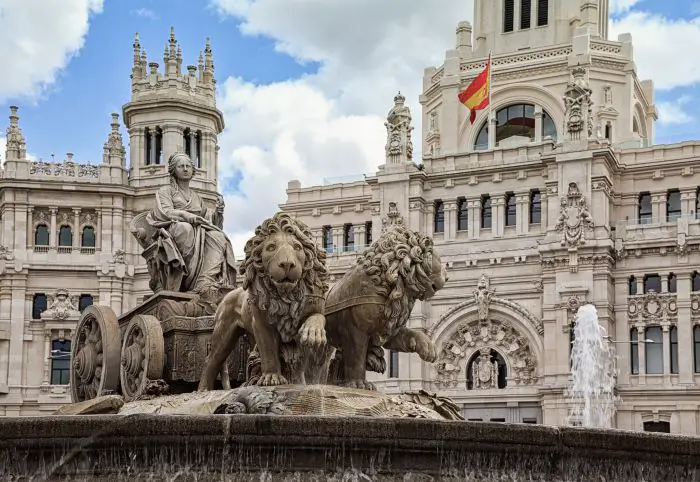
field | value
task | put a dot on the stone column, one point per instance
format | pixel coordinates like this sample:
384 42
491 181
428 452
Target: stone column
30 226
474 221
658 213
538 115
686 365
666 337
193 148
151 140
359 230
53 235
117 226
522 213
430 225
76 228
47 358
449 208
492 131
688 203
641 354
17 345
498 215
544 219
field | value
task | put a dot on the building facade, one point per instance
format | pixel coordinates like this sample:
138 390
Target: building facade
554 197
65 237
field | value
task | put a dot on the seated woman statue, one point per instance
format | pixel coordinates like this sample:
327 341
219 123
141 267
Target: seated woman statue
193 251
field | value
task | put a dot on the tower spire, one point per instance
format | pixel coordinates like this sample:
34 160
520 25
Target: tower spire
114 152
208 61
16 148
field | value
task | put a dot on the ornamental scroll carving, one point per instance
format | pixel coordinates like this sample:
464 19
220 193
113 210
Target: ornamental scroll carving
484 371
579 105
653 307
497 335
574 218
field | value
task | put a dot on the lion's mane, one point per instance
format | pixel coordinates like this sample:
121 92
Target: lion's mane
283 310
399 264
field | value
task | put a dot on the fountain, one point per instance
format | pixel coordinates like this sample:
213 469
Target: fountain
591 390
306 411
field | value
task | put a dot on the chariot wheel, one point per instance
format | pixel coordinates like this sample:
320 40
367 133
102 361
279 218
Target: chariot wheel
143 355
95 354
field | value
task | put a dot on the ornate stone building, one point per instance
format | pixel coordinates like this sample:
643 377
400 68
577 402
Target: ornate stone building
554 197
65 235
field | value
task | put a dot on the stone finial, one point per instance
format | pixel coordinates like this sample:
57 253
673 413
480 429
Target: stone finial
16 148
114 152
137 50
464 34
208 61
399 146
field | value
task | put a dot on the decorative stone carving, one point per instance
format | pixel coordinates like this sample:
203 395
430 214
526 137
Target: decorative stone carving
6 254
62 306
484 371
538 284
119 257
399 146
482 296
498 335
392 217
695 304
16 147
653 307
65 169
578 105
574 218
114 146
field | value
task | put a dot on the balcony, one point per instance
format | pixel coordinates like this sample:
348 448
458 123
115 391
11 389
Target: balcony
649 231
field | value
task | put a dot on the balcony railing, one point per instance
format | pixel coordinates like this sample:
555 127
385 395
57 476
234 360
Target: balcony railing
351 248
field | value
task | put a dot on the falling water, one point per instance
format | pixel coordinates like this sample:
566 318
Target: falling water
591 390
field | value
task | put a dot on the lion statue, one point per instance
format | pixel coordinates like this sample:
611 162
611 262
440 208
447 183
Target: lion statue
368 308
280 303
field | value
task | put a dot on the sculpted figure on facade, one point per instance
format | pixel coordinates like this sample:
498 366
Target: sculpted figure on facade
578 105
392 217
368 308
281 303
483 295
574 218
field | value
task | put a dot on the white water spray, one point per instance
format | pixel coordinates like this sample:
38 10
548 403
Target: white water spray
591 391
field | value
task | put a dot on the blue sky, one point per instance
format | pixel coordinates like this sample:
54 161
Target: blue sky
304 84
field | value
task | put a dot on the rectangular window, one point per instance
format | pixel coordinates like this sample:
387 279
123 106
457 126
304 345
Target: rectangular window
439 218
498 420
542 13
634 351
644 208
84 302
673 335
654 350
535 207
659 427
39 305
368 233
60 362
696 347
672 284
348 237
393 364
652 282
511 209
328 239
673 205
632 286
525 14
529 420
462 215
485 211
508 15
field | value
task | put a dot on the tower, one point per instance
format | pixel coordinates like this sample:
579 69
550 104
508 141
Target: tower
170 111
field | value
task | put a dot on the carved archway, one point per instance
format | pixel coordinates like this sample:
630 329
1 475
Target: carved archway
486 322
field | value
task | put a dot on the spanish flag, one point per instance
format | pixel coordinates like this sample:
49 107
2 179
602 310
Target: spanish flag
476 96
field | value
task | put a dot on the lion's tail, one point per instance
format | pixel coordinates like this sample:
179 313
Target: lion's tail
375 356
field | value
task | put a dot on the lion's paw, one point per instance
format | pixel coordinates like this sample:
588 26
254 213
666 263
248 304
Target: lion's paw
421 344
313 331
361 384
271 379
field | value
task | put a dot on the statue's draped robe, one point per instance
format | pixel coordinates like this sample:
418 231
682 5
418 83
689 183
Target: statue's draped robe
196 258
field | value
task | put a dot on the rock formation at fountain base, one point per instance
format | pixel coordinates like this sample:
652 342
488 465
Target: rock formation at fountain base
307 448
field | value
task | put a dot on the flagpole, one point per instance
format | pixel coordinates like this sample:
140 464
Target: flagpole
490 89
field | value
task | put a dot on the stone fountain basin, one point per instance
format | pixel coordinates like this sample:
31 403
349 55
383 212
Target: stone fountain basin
284 447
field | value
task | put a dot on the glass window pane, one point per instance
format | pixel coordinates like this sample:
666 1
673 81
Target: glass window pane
439 218
654 350
88 237
41 235
65 236
634 351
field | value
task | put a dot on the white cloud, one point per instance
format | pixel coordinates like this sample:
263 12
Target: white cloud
661 47
144 13
39 39
674 112
328 124
621 6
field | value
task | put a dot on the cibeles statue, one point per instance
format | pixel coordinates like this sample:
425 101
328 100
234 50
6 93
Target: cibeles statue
184 243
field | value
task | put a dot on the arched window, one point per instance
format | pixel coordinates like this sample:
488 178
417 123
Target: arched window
65 236
501 370
84 302
39 305
41 235
516 120
87 238
439 218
